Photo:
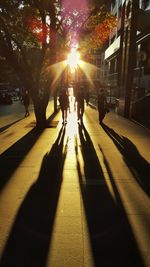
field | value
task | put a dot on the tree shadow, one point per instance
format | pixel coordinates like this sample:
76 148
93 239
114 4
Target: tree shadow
139 167
2 129
14 155
30 237
112 241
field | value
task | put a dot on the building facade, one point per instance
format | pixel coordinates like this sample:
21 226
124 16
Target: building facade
127 56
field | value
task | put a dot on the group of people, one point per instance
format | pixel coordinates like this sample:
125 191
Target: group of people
80 98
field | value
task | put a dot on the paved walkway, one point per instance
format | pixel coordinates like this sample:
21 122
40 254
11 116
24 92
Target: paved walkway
76 195
15 130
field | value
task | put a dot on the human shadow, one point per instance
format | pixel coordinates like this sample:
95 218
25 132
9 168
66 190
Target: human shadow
30 236
11 158
137 164
112 240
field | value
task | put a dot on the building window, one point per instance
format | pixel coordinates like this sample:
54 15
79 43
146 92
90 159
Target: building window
145 4
116 65
112 66
98 62
144 55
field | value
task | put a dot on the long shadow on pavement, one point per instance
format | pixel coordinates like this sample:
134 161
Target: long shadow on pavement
13 156
29 239
135 162
112 241
8 125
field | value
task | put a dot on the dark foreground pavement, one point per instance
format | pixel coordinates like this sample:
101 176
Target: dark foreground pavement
75 195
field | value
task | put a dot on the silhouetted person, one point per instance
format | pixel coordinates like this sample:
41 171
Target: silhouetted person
80 99
26 102
101 105
87 97
64 104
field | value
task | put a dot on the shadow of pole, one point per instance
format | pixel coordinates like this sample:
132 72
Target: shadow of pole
139 167
111 237
29 240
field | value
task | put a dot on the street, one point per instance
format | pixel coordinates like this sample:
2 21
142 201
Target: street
82 190
11 113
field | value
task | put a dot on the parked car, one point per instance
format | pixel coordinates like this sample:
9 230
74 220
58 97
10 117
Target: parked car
5 99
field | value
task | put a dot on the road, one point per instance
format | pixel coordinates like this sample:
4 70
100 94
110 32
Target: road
11 113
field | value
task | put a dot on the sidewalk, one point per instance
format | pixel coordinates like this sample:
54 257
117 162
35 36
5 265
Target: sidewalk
78 196
19 129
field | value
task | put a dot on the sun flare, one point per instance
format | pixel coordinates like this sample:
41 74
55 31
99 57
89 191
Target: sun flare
73 59
89 70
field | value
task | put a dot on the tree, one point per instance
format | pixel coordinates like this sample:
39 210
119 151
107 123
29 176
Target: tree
32 32
23 43
8 78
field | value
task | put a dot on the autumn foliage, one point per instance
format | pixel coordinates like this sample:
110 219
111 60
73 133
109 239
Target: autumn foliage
37 28
101 32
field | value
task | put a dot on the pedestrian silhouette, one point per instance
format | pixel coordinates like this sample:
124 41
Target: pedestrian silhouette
26 102
80 99
101 105
64 105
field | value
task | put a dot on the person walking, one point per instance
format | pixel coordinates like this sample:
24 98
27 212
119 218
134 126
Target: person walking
80 97
64 105
101 105
26 102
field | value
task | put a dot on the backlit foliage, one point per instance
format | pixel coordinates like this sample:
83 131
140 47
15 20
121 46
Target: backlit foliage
98 33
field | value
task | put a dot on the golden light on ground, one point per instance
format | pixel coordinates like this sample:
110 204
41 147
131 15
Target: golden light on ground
72 125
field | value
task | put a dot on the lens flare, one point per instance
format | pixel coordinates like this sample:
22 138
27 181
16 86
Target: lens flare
73 59
55 72
89 70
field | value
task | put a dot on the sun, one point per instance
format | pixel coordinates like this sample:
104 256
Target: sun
73 59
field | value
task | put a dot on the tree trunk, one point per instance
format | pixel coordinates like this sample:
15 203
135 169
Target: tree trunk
40 114
40 106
